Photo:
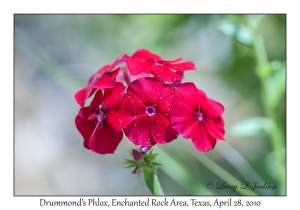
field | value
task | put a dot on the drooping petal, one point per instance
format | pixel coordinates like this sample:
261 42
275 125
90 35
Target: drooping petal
106 70
138 131
165 74
97 100
104 139
201 139
164 103
188 65
119 117
212 108
187 93
113 96
182 118
159 127
171 61
82 95
147 89
84 126
214 128
107 80
103 70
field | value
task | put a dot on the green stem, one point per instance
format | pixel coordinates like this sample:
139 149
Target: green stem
157 187
276 135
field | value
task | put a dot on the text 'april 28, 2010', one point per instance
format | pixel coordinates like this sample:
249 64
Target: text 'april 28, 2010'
122 202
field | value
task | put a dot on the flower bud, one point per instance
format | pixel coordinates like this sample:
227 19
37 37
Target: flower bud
136 154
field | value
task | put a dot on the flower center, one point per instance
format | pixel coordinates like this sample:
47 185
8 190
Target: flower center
101 115
150 110
98 116
199 115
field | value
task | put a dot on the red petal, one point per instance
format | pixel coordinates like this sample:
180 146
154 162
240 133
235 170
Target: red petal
147 89
125 57
201 139
182 118
159 128
99 74
212 108
187 93
172 61
138 131
164 103
165 74
119 61
201 99
141 62
189 65
170 134
138 106
215 127
107 80
84 126
138 67
82 95
122 116
97 101
104 139
144 54
112 96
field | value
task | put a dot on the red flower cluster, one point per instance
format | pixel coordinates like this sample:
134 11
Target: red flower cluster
151 110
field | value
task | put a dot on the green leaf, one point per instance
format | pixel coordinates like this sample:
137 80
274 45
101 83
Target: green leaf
130 163
149 179
240 33
252 126
156 164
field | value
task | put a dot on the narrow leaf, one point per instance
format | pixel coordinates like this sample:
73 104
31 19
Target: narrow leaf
252 126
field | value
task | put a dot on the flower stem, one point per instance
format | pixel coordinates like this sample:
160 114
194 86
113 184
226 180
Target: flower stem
157 187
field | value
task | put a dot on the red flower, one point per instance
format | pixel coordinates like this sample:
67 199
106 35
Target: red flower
101 123
143 61
196 116
105 77
152 101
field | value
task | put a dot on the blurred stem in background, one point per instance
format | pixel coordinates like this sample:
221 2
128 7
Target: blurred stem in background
272 81
264 72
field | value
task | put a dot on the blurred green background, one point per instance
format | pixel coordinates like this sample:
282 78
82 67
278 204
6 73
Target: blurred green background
240 62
